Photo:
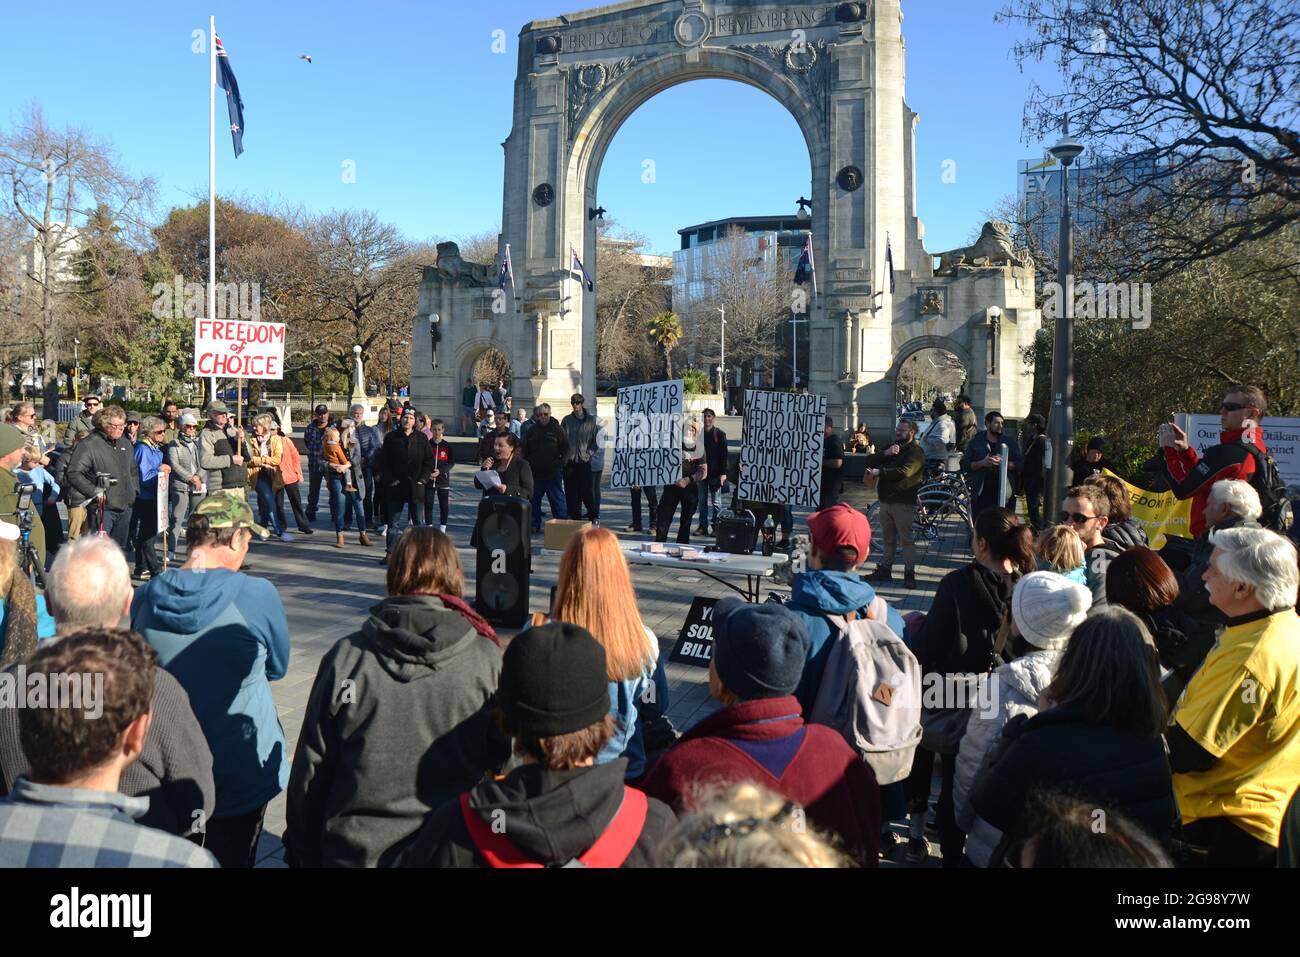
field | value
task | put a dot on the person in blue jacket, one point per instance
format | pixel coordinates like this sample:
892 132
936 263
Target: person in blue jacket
224 637
149 459
841 539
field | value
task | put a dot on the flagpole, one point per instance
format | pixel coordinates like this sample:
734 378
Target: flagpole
212 183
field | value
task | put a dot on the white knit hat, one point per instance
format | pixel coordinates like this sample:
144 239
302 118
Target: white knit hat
1047 607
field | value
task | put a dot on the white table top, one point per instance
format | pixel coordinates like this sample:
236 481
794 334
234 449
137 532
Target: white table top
747 565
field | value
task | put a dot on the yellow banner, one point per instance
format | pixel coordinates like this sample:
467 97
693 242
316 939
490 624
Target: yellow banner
1160 513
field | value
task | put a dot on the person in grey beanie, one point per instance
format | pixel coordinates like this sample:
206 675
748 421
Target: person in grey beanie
760 734
557 808
1045 610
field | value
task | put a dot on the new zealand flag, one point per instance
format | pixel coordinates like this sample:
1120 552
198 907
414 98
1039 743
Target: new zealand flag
226 80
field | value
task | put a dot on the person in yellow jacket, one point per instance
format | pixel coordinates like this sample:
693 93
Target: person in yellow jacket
265 451
1234 742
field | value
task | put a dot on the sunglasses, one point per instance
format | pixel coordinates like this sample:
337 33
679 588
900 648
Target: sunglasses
1077 518
1232 407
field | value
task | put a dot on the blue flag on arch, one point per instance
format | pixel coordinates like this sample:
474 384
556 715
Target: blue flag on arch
226 80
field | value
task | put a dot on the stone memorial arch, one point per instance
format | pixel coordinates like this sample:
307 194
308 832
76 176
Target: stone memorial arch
839 69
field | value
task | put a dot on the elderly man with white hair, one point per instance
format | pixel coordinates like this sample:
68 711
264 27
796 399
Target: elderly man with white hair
90 587
1232 503
1234 741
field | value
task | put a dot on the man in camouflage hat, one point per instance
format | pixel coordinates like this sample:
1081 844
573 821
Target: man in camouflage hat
224 636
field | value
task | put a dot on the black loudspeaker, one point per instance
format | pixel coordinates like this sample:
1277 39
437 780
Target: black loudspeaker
505 552
735 533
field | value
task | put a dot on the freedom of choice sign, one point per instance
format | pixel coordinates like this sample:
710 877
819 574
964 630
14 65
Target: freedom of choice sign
648 435
238 350
781 450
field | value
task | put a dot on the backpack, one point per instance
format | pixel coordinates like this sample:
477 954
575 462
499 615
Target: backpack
1273 496
611 849
871 694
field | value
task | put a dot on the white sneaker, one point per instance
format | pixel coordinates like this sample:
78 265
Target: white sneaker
443 529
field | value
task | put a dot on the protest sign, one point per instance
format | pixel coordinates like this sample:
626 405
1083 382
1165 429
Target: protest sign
1161 514
1282 436
238 350
162 512
781 448
647 435
695 641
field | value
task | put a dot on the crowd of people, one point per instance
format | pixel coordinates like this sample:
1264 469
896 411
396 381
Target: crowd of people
1083 675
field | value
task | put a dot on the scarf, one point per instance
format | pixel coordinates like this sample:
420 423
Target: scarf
476 620
20 625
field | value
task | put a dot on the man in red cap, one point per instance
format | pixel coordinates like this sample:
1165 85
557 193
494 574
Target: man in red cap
841 539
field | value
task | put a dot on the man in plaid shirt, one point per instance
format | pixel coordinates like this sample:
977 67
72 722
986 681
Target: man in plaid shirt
69 813
314 438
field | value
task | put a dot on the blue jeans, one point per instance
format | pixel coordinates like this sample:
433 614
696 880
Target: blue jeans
394 507
553 489
266 503
339 500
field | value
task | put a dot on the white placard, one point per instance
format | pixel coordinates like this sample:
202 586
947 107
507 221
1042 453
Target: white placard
781 448
164 513
647 435
1282 436
229 349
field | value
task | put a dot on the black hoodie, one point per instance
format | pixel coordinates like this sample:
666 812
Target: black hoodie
963 622
398 724
552 816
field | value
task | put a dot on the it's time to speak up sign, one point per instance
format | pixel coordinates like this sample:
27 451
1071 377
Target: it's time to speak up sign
230 349
1282 436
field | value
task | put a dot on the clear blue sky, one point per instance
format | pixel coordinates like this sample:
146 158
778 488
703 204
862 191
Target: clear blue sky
413 94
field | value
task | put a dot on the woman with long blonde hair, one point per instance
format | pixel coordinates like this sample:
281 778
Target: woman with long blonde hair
595 591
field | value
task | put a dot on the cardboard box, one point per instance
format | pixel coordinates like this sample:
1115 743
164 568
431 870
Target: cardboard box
560 531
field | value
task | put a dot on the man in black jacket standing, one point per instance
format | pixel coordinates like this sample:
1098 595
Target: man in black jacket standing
405 461
982 461
108 451
546 447
580 429
715 458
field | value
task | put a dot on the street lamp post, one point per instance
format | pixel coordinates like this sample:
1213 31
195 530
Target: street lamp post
1060 427
76 369
722 361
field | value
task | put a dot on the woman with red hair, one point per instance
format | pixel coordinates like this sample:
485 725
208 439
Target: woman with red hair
595 591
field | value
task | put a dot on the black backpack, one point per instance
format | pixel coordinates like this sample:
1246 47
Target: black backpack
1273 495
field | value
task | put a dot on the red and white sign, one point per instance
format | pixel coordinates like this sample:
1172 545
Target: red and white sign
231 349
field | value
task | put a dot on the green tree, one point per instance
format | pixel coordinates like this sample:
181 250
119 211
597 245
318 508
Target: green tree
666 330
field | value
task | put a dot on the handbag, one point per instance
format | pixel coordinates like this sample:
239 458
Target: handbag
943 728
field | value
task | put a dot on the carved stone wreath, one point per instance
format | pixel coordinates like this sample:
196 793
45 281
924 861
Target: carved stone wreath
932 302
587 80
592 76
792 51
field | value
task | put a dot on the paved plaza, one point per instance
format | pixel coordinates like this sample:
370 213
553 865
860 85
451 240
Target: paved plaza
326 592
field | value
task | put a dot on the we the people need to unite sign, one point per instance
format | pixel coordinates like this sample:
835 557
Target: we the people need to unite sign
238 350
781 448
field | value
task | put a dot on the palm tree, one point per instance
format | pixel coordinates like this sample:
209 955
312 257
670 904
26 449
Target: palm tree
666 329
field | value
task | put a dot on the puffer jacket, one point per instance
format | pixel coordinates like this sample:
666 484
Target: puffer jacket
1126 534
290 462
1015 690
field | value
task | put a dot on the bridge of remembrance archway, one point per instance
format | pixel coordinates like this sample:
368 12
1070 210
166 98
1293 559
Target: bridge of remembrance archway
839 69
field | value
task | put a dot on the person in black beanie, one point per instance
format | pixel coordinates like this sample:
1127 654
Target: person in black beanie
1093 461
558 808
760 734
